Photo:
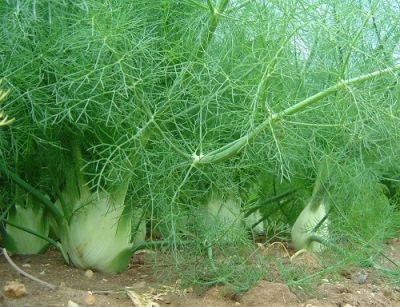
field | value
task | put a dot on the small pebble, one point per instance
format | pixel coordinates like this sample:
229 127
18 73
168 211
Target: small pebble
89 273
362 277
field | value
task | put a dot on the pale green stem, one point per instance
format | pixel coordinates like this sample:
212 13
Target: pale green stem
231 149
208 34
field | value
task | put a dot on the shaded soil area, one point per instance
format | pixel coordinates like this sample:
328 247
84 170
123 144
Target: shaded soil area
140 286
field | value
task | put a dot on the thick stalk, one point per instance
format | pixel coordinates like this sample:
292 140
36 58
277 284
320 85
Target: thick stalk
35 193
231 149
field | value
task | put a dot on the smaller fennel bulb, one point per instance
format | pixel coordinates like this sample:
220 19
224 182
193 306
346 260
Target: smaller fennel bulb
228 211
304 235
32 217
224 214
253 218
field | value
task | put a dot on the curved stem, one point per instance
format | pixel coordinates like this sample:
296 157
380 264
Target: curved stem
35 193
229 150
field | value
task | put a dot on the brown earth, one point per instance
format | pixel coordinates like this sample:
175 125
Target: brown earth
139 286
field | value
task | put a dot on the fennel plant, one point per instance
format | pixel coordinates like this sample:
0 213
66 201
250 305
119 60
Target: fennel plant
137 111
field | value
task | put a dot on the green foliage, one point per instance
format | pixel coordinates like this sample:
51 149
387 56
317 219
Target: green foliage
168 101
362 210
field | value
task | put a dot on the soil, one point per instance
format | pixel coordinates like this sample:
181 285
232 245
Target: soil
139 286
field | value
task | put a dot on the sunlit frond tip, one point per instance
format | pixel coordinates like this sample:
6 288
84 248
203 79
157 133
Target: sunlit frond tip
3 117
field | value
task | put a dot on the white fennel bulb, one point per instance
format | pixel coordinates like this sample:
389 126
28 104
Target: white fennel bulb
303 230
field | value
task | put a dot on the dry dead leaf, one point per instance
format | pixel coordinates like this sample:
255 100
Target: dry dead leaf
139 300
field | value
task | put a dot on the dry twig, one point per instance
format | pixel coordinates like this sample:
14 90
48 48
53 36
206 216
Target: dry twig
51 286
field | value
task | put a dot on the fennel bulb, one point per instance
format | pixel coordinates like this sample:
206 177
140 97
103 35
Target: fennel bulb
303 231
32 217
98 230
253 218
225 217
228 211
99 234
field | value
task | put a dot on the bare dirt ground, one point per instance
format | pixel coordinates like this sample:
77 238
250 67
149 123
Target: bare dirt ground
139 286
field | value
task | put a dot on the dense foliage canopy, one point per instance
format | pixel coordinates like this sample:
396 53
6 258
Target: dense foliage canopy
168 115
